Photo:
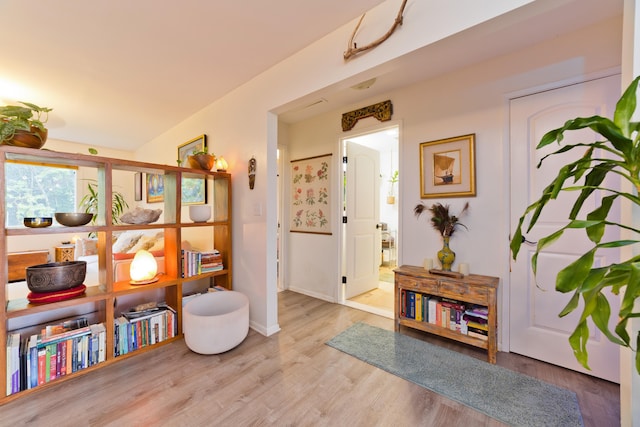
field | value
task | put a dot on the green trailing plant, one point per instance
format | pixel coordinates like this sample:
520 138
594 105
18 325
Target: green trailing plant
22 118
586 175
200 152
89 203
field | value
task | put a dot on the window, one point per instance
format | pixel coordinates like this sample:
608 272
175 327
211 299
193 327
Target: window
38 190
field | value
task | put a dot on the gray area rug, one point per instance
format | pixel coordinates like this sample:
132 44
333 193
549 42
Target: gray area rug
505 395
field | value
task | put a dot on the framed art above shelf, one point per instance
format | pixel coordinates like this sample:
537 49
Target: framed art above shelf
447 167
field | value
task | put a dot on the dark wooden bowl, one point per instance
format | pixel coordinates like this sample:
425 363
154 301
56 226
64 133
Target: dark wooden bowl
34 139
56 276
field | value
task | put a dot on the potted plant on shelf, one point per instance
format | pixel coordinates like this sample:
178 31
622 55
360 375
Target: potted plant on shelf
90 203
202 160
621 141
391 198
445 223
23 125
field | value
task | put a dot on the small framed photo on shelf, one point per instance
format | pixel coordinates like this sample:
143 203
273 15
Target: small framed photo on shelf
447 167
155 188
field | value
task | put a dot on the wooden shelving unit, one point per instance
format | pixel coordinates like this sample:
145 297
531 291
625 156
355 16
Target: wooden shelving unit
99 301
473 289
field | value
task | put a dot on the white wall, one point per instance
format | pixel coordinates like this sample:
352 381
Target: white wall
240 126
472 100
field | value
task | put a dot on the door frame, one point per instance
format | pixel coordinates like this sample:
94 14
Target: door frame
504 301
378 127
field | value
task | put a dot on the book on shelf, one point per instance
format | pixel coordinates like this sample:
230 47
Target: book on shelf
141 330
38 359
199 262
13 363
467 319
66 326
477 333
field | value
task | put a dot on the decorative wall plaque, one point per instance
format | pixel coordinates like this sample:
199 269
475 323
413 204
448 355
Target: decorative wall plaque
381 111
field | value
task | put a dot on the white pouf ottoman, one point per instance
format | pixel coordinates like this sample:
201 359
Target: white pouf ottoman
216 322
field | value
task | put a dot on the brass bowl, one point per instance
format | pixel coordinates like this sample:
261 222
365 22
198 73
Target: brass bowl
37 222
56 276
71 219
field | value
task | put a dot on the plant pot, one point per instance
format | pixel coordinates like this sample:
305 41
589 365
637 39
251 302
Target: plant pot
391 200
34 139
202 161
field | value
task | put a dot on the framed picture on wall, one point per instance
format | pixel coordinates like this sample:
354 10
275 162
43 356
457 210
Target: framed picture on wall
194 190
155 188
197 144
311 195
137 186
447 167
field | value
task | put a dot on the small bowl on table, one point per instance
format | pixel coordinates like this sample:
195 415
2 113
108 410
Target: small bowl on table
37 221
73 219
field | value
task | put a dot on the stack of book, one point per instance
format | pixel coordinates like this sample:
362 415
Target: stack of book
476 320
138 329
196 262
468 319
59 350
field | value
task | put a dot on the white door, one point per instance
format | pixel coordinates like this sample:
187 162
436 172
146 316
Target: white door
363 247
535 328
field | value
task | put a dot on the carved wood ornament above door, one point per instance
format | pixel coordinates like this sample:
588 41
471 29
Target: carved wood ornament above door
353 48
381 111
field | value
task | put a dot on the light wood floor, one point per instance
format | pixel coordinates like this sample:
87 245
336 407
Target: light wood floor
289 379
381 297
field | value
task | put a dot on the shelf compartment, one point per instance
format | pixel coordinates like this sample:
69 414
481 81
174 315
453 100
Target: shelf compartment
22 307
444 332
133 335
124 287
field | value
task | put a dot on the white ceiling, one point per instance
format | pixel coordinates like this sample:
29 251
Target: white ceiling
119 73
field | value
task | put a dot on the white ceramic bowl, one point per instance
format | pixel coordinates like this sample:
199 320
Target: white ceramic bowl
199 213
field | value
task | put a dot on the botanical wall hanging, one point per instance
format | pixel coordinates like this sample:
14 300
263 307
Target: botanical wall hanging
616 151
311 202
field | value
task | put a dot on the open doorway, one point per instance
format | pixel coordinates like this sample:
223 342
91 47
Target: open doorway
376 295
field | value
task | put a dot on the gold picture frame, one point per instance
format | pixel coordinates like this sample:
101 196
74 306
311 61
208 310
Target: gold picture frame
447 167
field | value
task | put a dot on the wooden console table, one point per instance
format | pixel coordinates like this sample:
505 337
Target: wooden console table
473 289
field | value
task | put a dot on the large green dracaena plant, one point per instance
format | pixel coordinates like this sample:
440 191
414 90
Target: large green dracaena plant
622 142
